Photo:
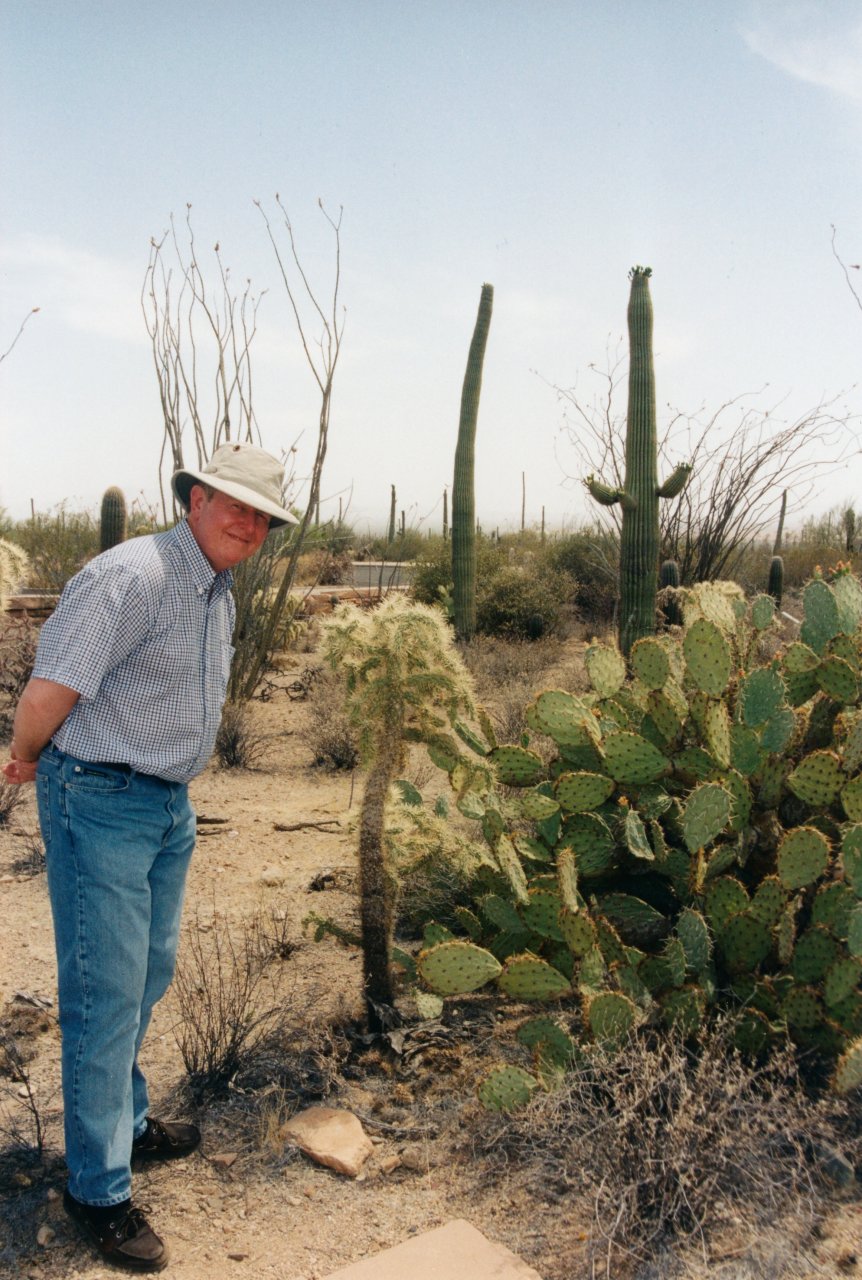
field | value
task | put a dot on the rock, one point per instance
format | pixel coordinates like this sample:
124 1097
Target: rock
416 1158
390 1164
45 1236
224 1159
331 1137
272 876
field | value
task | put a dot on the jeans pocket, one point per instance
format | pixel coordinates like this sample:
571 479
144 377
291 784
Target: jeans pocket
94 779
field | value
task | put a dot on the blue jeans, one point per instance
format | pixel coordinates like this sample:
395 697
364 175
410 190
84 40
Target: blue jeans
117 849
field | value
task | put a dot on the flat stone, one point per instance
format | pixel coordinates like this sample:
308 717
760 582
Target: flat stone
447 1253
330 1136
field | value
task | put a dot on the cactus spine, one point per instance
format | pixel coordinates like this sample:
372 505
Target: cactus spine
639 541
112 519
463 495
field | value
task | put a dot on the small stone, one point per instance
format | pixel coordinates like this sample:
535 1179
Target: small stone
390 1164
52 1195
416 1158
332 1137
309 1192
22 1180
224 1159
293 1201
272 876
237 1257
45 1236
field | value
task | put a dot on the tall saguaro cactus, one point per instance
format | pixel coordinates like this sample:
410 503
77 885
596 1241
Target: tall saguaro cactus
639 541
112 519
463 493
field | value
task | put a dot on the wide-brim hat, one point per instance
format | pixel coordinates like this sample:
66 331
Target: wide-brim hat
244 472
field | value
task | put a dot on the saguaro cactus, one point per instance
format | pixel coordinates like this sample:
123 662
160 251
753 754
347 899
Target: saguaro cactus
112 519
776 580
639 542
463 495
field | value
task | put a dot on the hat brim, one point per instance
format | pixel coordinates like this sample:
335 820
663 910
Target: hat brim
182 482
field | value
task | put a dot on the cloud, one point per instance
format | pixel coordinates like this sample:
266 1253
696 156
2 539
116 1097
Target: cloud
86 291
811 42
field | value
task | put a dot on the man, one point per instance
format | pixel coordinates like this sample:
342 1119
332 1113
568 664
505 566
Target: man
121 712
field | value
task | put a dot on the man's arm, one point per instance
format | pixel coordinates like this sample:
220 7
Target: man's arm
43 707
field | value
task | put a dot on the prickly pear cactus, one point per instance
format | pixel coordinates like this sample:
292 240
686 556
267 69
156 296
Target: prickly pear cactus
695 841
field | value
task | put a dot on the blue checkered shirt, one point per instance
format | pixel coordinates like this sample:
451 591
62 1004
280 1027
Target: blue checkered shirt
143 633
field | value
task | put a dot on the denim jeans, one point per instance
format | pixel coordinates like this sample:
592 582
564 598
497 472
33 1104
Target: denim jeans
117 849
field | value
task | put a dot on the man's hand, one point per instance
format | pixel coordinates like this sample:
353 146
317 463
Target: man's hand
18 771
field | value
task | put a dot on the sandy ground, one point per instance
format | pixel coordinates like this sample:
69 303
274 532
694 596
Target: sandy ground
244 1204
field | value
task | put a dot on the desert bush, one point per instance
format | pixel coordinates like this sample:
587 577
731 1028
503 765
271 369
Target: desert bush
11 797
239 744
434 864
523 602
670 1142
58 543
433 570
18 639
590 556
227 995
403 547
327 731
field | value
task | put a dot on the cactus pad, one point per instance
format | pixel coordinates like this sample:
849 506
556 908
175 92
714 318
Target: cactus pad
842 980
762 612
716 730
836 677
851 856
761 694
832 906
510 865
500 912
454 968
606 669
822 621
650 662
851 799
637 923
562 717
815 952
526 977
817 778
746 754
567 878
778 731
542 912
578 931
848 1069
752 1032
635 836
707 813
664 714
769 900
745 942
724 897
548 1039
801 1008
517 767
592 840
507 1088
611 1017
537 806
854 931
683 1009
631 759
707 656
693 933
582 791
695 763
803 856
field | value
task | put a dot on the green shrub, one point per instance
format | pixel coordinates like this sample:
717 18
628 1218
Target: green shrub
590 556
58 543
433 570
522 602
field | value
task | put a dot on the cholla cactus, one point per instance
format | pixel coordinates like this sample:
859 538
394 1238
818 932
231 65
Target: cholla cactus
13 567
405 682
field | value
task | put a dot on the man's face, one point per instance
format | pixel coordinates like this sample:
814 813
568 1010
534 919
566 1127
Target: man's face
226 530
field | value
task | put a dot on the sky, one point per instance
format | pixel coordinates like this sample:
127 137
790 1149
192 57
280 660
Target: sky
541 146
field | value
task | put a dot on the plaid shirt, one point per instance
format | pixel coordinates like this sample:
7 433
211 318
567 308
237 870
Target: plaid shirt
143 633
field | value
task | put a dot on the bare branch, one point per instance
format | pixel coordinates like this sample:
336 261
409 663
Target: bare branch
21 328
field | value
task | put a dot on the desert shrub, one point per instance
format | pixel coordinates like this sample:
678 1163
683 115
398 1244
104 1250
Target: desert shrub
435 866
58 543
590 557
327 732
408 546
669 1142
433 570
11 797
322 567
18 639
239 744
523 603
228 997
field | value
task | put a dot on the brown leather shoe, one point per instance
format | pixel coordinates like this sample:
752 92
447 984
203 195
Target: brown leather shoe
121 1233
165 1140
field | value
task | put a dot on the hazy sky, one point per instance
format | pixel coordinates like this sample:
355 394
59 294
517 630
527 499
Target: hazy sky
544 146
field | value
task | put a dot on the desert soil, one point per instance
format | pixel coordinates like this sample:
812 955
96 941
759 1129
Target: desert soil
246 1205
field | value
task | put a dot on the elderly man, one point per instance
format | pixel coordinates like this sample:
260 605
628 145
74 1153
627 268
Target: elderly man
120 713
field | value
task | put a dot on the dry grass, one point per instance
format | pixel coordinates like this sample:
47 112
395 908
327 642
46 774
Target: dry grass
672 1147
239 743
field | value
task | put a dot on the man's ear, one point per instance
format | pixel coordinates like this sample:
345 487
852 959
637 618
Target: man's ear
197 498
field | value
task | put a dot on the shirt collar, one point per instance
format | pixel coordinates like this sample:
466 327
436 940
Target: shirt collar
204 576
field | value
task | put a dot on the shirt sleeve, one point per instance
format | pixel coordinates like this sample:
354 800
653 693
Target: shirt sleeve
101 617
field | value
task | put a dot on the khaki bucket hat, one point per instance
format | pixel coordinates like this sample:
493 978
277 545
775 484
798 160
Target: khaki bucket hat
244 472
